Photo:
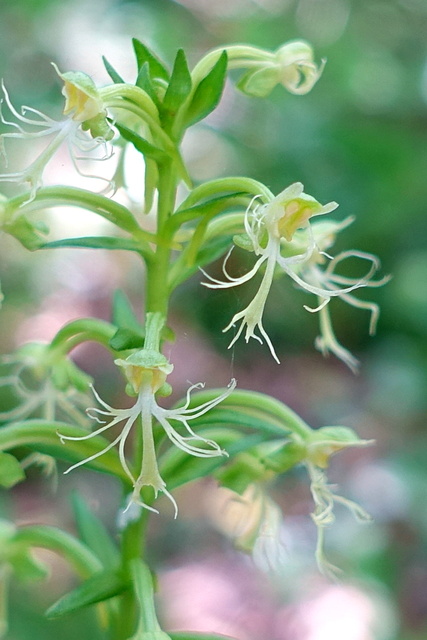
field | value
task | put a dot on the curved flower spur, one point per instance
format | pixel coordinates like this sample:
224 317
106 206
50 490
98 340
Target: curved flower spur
280 233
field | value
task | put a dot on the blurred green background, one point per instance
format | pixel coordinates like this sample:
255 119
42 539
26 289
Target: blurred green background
360 138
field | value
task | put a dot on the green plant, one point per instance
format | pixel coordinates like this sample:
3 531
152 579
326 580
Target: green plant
242 438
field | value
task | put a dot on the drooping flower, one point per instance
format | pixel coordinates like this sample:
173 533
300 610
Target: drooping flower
254 523
146 372
85 112
281 234
292 65
323 444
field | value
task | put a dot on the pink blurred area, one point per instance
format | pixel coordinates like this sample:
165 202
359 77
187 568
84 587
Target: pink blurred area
227 596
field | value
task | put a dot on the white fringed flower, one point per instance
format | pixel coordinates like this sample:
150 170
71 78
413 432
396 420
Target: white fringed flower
281 234
265 226
147 371
85 112
323 444
40 386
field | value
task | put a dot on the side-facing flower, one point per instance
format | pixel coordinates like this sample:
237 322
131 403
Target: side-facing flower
266 225
85 112
292 65
323 444
146 372
281 233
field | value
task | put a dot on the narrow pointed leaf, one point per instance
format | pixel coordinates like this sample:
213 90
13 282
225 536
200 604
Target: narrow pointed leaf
115 77
94 534
143 54
141 144
96 242
143 81
208 93
99 587
179 86
123 314
125 339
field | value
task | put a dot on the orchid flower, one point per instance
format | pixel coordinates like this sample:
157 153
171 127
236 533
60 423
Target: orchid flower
266 225
323 444
292 65
43 386
146 372
281 234
85 112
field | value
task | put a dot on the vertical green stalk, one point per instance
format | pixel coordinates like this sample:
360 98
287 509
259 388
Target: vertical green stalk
133 536
157 271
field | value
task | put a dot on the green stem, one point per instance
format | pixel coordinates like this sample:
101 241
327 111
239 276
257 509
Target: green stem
239 56
157 271
83 330
233 184
132 550
73 196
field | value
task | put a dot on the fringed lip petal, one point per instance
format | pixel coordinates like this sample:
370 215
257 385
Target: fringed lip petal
145 409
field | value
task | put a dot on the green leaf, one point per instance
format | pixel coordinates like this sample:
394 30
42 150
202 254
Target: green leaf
184 635
123 314
143 81
115 77
94 534
96 242
42 436
141 144
208 93
11 471
99 587
179 86
181 271
125 339
143 55
178 468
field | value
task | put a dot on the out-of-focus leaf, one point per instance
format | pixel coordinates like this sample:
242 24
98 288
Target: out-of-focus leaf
43 436
123 314
115 77
94 534
183 635
102 586
125 339
11 471
96 242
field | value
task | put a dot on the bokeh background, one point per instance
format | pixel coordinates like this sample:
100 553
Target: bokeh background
360 138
